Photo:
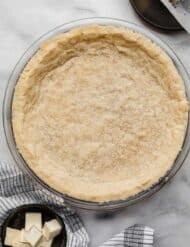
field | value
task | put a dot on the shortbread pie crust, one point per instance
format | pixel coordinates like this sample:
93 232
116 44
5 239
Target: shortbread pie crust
99 113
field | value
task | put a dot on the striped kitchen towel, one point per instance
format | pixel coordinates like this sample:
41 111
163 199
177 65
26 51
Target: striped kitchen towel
17 189
134 236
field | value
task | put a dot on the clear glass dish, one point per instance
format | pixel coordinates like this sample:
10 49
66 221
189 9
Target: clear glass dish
8 127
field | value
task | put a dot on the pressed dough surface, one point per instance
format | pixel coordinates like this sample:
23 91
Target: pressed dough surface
99 113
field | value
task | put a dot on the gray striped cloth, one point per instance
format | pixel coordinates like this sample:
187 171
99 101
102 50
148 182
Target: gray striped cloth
17 189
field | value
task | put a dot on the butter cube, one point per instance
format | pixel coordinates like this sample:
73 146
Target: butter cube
45 243
33 219
32 236
22 239
12 236
51 229
20 244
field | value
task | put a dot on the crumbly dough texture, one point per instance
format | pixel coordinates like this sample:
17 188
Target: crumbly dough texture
99 113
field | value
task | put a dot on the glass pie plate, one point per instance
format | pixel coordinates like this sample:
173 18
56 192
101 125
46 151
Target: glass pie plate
20 162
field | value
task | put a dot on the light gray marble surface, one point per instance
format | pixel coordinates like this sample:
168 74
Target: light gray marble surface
21 22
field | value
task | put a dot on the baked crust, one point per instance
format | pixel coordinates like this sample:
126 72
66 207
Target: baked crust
99 113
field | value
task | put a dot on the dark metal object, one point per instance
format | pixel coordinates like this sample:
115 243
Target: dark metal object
16 220
155 13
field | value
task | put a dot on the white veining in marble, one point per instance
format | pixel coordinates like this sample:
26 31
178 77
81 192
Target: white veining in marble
21 22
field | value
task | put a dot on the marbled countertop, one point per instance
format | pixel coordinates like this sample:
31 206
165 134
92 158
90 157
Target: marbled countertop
21 22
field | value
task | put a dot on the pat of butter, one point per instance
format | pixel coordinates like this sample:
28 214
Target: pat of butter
33 219
22 235
45 243
12 236
51 229
20 244
32 236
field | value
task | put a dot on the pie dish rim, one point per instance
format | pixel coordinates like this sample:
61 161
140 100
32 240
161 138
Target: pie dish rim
8 125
